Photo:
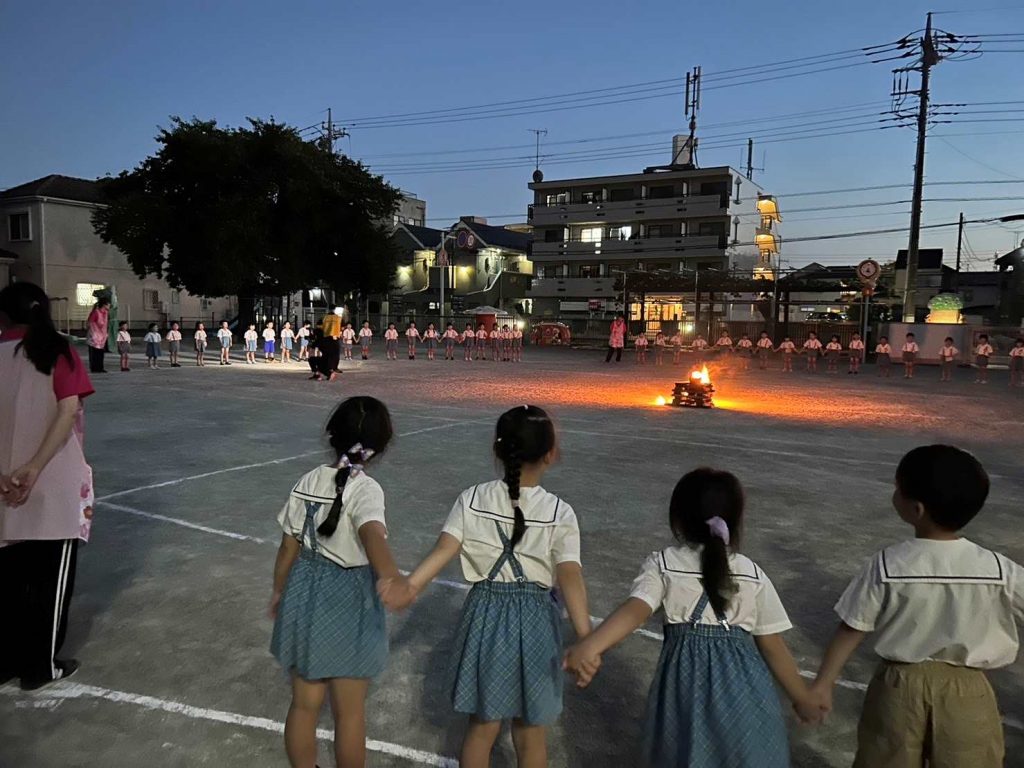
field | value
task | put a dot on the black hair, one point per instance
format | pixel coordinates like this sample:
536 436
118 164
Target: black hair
699 496
883 338
524 434
909 335
834 337
949 482
27 304
948 338
983 336
102 301
122 324
359 420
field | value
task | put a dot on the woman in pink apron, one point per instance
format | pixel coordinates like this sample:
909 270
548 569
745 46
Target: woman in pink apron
616 338
96 335
46 493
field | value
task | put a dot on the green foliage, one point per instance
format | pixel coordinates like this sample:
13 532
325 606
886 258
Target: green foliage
250 211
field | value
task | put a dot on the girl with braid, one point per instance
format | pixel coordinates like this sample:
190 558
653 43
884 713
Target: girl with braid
517 543
329 628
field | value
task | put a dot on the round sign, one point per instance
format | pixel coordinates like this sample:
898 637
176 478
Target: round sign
868 270
462 239
470 242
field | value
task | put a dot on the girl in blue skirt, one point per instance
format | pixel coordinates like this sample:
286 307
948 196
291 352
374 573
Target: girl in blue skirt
517 542
712 702
329 628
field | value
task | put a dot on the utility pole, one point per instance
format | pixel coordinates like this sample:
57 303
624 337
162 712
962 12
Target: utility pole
330 133
959 249
929 58
750 159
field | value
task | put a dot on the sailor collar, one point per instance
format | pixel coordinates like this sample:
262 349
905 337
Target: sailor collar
318 486
491 500
673 561
958 562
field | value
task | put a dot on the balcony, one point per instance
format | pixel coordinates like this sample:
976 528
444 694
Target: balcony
626 211
681 246
572 287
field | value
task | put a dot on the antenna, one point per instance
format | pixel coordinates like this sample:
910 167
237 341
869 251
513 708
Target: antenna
691 109
538 175
750 160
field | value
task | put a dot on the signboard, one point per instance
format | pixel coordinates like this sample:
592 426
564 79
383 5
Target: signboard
595 304
868 271
466 240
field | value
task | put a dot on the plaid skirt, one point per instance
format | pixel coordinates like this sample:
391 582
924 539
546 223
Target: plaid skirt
507 660
330 622
713 703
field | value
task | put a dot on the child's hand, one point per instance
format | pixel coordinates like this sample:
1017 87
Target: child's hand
396 593
275 601
816 705
582 664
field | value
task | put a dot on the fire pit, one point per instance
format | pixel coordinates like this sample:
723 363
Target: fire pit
695 392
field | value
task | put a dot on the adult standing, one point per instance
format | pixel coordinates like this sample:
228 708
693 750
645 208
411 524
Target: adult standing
96 333
329 344
616 338
46 491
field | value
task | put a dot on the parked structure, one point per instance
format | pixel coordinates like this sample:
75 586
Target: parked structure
49 240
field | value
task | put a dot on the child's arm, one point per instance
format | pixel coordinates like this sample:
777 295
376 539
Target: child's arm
397 598
585 657
374 537
574 591
783 667
286 554
844 642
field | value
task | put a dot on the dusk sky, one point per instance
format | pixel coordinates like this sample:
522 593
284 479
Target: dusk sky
87 84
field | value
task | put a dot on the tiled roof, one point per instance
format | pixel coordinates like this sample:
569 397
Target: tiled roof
499 237
927 258
54 185
427 237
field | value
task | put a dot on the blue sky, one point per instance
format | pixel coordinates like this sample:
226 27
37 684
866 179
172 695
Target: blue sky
86 84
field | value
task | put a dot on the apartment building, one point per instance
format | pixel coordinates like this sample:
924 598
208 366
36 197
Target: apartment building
590 233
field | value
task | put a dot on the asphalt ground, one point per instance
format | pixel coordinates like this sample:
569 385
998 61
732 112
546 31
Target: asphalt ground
192 466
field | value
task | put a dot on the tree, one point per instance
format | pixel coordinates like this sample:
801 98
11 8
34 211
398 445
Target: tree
250 211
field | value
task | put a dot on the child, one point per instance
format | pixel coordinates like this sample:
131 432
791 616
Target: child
745 347
124 344
981 355
152 339
494 337
883 356
723 639
430 339
659 348
251 338
200 342
677 347
699 347
287 340
517 345
481 342
269 342
764 348
812 348
856 354
910 350
391 342
303 337
517 542
224 336
942 612
412 336
348 339
469 342
365 340
788 349
1017 363
641 348
724 343
330 631
947 356
174 344
833 349
506 343
450 337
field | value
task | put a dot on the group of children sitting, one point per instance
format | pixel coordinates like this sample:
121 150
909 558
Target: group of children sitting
941 609
746 349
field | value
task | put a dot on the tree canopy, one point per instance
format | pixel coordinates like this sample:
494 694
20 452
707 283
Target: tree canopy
254 210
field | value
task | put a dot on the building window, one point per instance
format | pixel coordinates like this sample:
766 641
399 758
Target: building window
711 228
548 270
590 270
662 230
84 293
661 192
205 304
150 299
17 227
561 198
592 197
620 233
620 195
591 235
554 235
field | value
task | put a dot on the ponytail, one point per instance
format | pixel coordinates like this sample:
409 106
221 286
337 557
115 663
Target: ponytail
28 305
715 574
330 523
513 471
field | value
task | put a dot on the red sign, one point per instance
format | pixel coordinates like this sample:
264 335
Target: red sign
595 304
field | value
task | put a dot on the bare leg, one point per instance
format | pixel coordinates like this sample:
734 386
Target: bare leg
531 745
478 743
300 727
348 698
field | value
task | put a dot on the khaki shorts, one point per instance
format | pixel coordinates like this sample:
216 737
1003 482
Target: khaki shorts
929 711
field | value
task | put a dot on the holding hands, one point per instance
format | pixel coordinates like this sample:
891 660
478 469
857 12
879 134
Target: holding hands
397 593
582 662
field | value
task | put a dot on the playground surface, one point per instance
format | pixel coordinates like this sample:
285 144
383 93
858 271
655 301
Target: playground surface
192 465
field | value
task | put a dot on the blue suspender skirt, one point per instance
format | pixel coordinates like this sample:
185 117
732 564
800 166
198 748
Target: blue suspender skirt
507 660
330 622
713 703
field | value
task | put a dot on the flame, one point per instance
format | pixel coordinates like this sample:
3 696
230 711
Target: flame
660 400
702 375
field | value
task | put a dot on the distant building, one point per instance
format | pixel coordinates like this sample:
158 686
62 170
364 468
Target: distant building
589 232
48 239
487 265
933 277
411 210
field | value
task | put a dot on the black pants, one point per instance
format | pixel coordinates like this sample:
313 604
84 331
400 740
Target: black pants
331 349
617 351
36 582
95 360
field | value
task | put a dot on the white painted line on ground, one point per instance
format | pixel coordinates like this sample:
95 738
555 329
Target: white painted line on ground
71 690
182 523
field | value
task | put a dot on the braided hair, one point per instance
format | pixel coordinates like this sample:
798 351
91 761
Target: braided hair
524 435
27 304
700 496
358 428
